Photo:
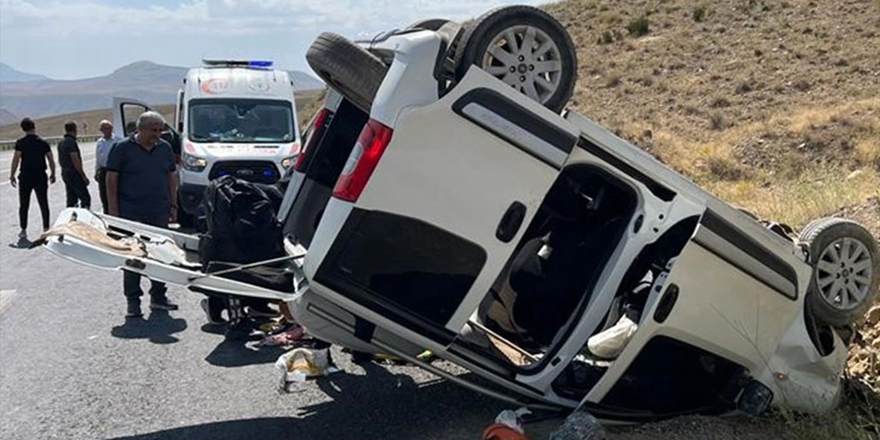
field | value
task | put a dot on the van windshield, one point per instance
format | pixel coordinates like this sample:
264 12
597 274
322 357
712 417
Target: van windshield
240 120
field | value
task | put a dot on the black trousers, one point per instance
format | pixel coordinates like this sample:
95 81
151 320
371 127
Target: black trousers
39 184
131 281
77 192
101 178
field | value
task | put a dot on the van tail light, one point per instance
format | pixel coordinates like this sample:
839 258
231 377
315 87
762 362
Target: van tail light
362 161
315 132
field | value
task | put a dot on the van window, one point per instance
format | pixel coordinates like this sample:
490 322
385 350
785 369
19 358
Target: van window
241 120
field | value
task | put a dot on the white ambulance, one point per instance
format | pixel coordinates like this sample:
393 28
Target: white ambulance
233 117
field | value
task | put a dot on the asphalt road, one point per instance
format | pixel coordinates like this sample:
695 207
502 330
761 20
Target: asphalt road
72 368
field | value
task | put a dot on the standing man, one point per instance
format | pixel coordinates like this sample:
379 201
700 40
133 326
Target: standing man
142 186
33 153
75 180
102 151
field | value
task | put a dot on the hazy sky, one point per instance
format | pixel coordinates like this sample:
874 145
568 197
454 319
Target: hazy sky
82 38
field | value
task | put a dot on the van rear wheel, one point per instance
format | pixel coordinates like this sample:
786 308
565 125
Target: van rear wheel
526 48
348 68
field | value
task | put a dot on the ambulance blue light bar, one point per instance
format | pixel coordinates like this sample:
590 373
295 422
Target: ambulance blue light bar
238 63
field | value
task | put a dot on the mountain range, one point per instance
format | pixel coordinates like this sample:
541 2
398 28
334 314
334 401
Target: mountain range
8 74
27 94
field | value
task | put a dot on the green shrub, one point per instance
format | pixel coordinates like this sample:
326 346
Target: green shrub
638 27
699 13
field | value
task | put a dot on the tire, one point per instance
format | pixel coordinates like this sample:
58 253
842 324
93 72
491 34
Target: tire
431 24
348 68
846 270
808 230
551 82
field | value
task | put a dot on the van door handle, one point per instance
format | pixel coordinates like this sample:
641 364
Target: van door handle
510 222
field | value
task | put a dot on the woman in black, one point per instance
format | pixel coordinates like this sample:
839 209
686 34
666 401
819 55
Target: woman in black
32 153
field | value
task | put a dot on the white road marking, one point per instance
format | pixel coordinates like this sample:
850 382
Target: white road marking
5 299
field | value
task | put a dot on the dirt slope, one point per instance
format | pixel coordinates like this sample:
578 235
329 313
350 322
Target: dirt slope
762 102
773 106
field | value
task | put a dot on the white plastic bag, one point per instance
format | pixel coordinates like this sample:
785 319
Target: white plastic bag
303 363
611 342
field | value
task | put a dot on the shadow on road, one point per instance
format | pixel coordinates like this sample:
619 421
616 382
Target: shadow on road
22 243
236 354
380 404
158 328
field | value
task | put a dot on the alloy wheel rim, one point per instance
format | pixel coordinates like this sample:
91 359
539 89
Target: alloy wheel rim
527 59
844 273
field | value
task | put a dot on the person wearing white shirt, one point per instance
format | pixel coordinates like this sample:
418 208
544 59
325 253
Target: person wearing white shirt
102 152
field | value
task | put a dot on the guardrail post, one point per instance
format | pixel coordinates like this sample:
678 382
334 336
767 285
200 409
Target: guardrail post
52 140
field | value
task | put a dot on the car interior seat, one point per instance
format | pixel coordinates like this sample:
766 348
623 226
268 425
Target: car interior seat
550 273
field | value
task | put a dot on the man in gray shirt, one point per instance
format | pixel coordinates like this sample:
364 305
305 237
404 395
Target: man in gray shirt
142 186
102 152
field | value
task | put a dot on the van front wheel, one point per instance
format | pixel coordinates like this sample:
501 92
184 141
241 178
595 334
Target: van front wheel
845 263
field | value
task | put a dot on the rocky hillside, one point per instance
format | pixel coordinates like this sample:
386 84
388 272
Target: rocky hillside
763 102
772 105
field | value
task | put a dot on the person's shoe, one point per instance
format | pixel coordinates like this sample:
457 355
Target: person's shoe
162 303
22 233
133 310
214 316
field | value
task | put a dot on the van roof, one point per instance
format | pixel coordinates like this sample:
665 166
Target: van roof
238 81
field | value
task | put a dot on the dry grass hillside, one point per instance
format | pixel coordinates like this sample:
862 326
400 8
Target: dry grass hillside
307 104
771 105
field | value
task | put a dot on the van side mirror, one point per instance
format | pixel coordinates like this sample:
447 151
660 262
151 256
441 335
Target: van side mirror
755 398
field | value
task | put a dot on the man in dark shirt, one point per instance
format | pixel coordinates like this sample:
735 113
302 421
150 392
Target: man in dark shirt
142 186
32 153
75 180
